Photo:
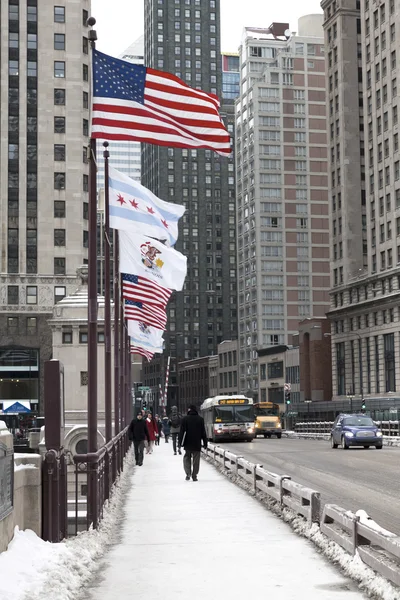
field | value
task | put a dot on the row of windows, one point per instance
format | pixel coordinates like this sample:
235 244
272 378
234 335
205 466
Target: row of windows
60 181
13 294
68 337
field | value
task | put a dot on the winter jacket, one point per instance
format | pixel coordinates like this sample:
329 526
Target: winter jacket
152 429
192 432
175 418
165 426
138 431
159 426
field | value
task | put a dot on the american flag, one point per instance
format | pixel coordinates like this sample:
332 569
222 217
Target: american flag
140 289
151 314
132 102
142 352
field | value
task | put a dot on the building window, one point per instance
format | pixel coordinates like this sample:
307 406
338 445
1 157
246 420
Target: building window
12 294
32 14
31 294
85 127
86 211
84 378
59 266
59 209
67 337
59 69
59 293
85 72
13 13
32 41
59 152
59 237
31 325
59 99
13 67
389 356
341 369
59 14
59 41
31 68
12 325
59 124
85 239
377 374
85 100
85 45
83 337
59 181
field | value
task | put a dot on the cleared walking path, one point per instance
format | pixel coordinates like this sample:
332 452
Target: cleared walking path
208 539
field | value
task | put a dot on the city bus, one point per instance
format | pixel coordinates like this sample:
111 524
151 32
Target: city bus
228 418
267 419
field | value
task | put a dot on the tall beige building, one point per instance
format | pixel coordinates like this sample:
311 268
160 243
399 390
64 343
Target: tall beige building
363 69
282 188
44 98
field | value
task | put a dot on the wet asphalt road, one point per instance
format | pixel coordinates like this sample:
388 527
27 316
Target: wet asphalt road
354 479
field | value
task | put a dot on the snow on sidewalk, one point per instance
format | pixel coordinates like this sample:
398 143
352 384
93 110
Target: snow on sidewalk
182 539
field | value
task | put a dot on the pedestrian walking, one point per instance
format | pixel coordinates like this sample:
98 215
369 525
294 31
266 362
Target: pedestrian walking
153 430
160 428
138 433
166 428
191 434
175 426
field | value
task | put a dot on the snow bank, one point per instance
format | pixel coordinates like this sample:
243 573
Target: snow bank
372 584
32 569
21 467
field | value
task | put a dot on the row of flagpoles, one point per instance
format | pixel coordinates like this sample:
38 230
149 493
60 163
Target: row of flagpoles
132 102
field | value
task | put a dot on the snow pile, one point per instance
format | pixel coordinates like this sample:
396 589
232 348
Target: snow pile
365 519
37 569
371 583
20 467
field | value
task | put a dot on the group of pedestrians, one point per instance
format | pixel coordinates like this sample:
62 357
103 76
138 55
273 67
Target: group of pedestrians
187 432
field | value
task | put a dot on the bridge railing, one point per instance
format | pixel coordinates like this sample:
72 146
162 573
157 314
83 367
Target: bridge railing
389 428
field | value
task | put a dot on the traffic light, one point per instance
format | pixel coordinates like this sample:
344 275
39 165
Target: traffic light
287 397
363 406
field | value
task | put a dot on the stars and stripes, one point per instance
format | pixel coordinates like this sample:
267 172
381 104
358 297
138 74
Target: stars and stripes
142 352
132 102
140 289
151 314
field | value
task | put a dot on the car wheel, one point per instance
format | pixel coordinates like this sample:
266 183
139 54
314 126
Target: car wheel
379 447
333 445
343 444
279 435
366 447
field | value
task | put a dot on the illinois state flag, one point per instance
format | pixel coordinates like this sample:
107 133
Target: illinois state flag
150 258
146 337
134 208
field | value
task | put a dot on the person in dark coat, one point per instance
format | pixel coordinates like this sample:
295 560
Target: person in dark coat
191 434
166 428
175 421
138 432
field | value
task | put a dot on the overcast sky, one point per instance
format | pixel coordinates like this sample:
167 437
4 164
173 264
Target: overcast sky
120 22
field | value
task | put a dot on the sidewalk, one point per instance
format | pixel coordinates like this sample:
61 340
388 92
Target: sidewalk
208 539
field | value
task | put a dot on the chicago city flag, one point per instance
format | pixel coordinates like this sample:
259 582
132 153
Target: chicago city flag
134 208
146 337
150 258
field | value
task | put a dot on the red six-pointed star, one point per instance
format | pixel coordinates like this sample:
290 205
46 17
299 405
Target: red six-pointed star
165 224
121 199
150 210
134 203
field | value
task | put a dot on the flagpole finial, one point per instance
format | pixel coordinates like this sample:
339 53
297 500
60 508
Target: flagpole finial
106 153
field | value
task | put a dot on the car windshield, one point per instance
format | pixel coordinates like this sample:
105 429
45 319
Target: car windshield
244 413
358 422
266 412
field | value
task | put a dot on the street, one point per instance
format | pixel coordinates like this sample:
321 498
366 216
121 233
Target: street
354 479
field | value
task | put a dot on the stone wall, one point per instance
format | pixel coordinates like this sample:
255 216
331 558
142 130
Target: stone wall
27 509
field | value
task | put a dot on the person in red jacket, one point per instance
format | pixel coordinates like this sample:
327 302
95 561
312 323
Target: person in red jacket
153 432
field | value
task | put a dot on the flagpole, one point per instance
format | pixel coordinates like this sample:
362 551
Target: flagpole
107 300
117 305
122 366
92 318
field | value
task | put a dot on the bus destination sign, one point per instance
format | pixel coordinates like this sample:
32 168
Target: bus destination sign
233 401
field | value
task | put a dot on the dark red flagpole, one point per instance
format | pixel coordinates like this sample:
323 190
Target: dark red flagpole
107 301
117 411
92 504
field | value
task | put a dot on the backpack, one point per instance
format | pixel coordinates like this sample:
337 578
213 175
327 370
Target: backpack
175 421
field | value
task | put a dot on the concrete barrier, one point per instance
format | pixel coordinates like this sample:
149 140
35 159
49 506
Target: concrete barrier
26 509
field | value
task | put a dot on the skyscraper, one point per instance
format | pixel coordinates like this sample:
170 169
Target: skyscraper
365 195
184 38
282 188
43 177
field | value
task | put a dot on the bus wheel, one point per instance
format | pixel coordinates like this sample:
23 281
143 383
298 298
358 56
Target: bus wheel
279 435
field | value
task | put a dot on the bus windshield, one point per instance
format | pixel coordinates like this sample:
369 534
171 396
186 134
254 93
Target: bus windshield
234 414
262 411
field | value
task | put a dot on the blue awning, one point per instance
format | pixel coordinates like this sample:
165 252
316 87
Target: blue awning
10 407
